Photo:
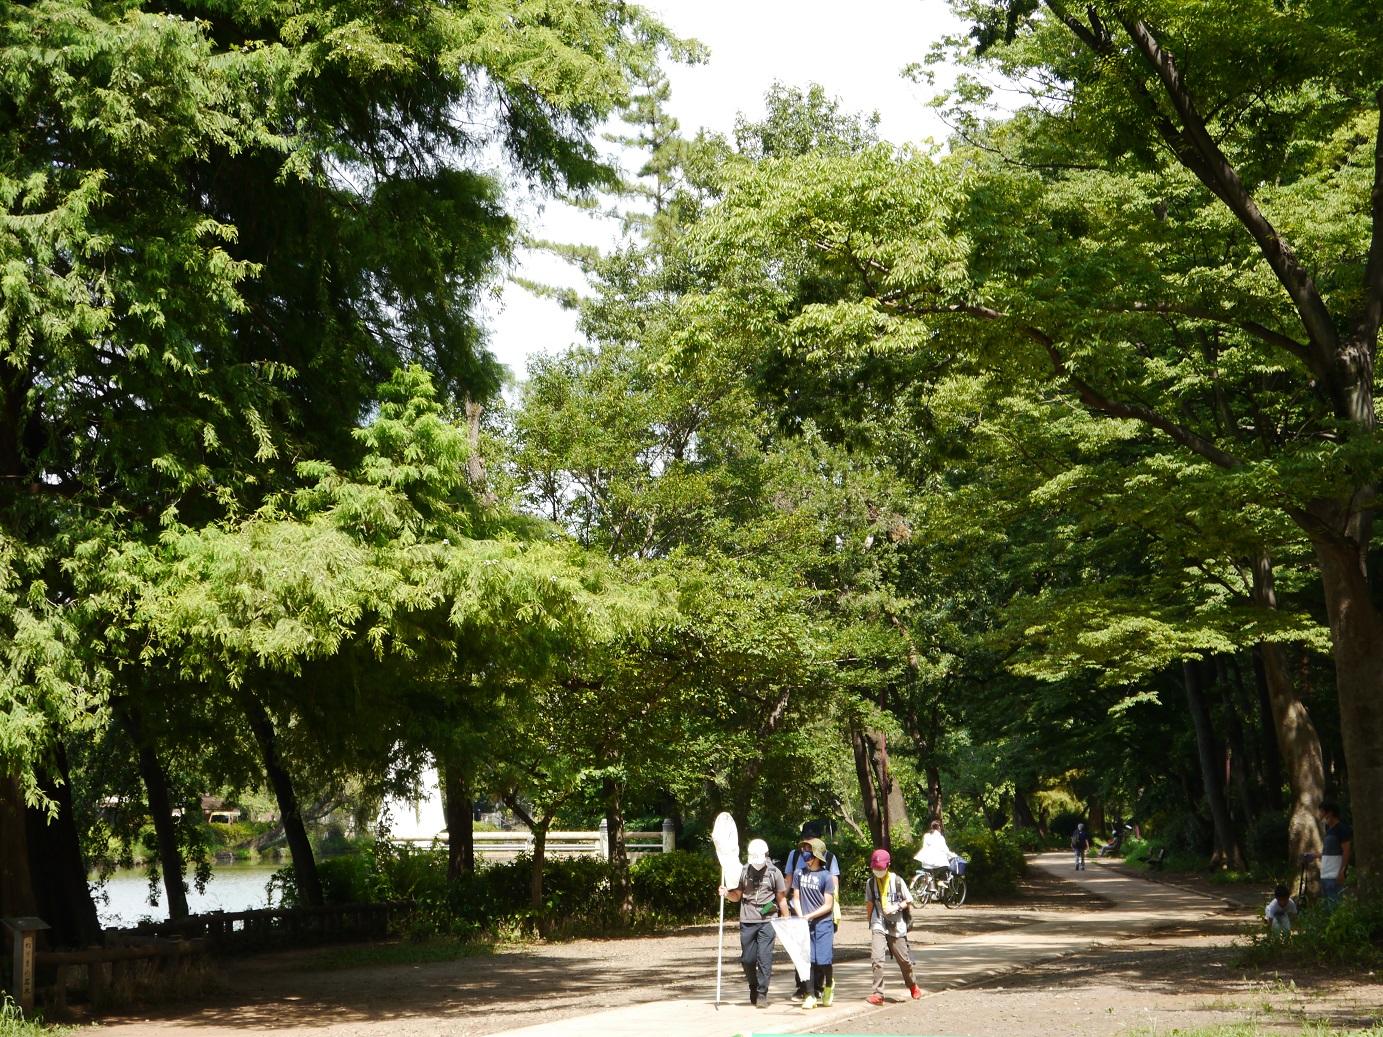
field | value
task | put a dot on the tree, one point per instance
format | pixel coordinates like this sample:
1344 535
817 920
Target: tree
203 281
1176 99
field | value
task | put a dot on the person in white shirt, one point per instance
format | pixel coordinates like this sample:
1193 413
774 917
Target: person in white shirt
934 853
1280 911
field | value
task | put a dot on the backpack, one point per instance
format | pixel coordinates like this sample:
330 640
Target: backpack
871 896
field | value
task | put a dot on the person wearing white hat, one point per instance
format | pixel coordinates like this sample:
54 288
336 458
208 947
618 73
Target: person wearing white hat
761 894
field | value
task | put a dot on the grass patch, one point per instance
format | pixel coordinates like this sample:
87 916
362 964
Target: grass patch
408 952
13 1023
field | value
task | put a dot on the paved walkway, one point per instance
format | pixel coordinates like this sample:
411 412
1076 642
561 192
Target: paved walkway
1138 906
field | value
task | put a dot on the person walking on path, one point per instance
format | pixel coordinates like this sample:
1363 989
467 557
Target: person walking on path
813 899
761 894
1080 842
796 864
889 901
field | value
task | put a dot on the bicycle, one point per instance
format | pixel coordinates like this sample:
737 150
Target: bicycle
939 884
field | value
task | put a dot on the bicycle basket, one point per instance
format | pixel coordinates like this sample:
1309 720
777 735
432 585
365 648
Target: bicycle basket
957 866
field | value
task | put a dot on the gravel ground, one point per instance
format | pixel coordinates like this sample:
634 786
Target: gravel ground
1173 980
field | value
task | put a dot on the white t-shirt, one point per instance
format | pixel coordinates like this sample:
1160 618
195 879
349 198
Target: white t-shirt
934 853
1281 917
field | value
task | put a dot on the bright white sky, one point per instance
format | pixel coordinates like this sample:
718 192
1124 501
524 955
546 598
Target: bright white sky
855 50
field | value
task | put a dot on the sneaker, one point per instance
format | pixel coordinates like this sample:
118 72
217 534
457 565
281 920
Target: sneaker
762 1002
878 999
797 996
828 995
808 1003
916 992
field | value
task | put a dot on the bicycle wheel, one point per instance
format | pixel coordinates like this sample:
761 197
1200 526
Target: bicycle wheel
955 891
922 889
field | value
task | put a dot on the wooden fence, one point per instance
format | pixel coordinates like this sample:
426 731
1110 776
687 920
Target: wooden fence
261 927
112 975
564 844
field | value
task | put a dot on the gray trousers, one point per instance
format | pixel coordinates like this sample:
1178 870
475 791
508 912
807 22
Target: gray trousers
881 944
756 955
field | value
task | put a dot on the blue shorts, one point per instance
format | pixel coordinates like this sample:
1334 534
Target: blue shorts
823 940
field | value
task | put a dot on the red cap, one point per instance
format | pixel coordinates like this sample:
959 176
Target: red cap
879 859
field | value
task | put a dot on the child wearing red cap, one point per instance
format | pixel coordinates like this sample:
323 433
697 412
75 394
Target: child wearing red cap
890 908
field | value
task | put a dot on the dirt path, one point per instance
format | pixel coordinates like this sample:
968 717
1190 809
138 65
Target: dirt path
1170 979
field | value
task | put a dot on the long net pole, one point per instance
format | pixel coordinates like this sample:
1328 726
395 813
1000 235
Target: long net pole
720 951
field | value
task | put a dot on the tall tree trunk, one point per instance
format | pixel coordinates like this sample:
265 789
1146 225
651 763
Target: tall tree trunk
895 809
535 877
456 808
1227 851
864 772
1022 812
936 799
160 805
1237 763
56 865
1356 631
1297 742
290 813
619 855
1268 737
16 884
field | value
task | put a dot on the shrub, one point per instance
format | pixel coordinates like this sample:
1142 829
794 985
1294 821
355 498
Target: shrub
678 885
1350 934
995 861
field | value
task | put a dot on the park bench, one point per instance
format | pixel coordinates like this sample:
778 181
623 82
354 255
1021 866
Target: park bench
1155 860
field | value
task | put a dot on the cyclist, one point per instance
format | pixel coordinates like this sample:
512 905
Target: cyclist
935 855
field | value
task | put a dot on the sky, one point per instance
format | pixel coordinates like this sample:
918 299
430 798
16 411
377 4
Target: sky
856 50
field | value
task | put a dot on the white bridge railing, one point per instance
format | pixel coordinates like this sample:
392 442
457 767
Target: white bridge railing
562 844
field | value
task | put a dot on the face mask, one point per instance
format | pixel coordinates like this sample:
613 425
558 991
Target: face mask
879 872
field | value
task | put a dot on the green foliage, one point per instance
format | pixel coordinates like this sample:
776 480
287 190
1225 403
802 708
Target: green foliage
679 885
1348 935
995 861
14 1024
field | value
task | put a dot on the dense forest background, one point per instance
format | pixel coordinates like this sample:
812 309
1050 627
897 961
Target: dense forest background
1026 480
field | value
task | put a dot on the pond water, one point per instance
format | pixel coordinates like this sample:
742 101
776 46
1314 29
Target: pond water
123 900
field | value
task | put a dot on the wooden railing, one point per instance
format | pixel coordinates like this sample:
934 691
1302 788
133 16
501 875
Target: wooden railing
105 976
563 843
236 930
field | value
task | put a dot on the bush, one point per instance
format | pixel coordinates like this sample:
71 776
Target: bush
678 885
995 862
1349 935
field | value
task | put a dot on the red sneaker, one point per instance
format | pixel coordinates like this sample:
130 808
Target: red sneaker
875 999
916 991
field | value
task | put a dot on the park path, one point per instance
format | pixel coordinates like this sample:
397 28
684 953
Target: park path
1137 905
665 986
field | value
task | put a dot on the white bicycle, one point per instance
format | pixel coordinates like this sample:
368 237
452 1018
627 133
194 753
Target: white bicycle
939 884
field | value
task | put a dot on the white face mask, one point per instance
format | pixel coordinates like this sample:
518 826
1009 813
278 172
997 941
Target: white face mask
879 872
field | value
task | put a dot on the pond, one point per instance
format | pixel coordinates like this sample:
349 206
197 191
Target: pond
124 898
